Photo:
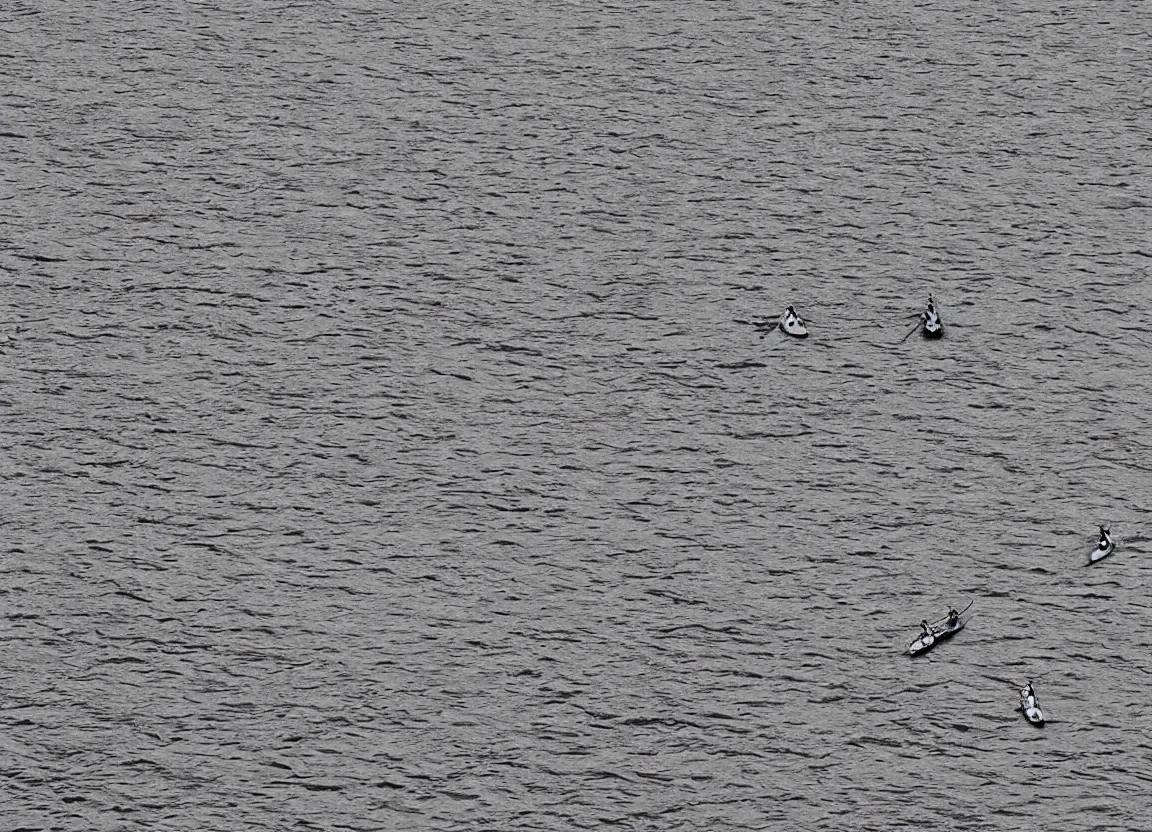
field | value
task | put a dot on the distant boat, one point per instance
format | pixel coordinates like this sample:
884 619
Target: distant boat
1104 547
1030 705
928 323
793 324
940 630
933 326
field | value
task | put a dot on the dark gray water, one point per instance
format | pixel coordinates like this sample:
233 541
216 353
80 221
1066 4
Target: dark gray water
388 443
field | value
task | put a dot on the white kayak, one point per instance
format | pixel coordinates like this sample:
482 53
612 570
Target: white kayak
1031 707
792 324
1104 547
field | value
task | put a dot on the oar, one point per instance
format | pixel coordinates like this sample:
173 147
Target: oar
960 612
913 329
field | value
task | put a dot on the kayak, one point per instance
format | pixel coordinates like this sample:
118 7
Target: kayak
1104 547
792 324
933 326
1031 707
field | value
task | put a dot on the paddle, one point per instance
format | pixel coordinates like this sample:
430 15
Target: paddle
918 324
961 612
1016 686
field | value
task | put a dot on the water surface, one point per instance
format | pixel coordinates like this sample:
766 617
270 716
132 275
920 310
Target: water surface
390 443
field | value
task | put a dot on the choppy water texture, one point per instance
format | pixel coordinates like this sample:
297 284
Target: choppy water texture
389 443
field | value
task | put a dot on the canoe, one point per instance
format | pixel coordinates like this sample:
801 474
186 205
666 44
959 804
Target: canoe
1031 707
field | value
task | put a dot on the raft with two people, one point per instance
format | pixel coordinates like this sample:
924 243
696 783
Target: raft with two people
939 630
